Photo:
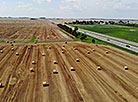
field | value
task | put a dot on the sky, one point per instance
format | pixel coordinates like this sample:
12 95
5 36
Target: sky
70 8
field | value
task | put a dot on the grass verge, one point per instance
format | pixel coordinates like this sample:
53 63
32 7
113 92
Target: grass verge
32 40
67 34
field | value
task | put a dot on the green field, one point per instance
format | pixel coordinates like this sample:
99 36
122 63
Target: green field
123 32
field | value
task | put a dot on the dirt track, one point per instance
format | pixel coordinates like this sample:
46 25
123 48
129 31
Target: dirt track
86 84
24 30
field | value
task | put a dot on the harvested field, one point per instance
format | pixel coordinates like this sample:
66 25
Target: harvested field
24 30
74 81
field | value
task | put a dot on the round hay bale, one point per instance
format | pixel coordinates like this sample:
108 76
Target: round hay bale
77 60
45 84
17 54
13 41
63 46
7 41
49 47
63 52
32 70
88 52
55 71
43 54
1 86
107 52
47 37
12 45
72 69
29 47
1 51
12 49
55 62
33 62
99 68
93 50
126 67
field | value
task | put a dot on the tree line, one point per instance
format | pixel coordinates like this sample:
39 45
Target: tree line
73 32
120 22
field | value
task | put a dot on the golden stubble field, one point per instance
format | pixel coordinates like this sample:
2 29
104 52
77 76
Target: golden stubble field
72 72
25 30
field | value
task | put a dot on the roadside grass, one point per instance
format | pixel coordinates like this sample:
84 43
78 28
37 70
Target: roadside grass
52 41
32 40
123 32
67 34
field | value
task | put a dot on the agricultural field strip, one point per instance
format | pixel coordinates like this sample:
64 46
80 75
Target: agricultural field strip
14 27
112 82
98 59
9 30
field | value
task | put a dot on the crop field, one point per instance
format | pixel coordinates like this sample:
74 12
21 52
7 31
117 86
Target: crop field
25 30
67 72
123 32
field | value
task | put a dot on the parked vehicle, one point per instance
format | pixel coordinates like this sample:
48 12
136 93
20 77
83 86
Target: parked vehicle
128 46
108 39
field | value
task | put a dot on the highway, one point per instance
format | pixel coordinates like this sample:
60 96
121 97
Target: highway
113 40
125 41
135 49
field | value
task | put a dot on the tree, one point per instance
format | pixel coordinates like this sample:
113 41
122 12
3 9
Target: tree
83 37
76 28
93 41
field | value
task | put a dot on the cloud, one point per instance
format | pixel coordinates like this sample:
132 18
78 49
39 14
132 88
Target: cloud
72 0
42 1
27 5
71 8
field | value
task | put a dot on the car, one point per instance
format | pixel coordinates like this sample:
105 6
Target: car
108 39
128 46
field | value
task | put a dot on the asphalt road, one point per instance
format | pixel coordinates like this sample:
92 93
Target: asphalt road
113 40
135 49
